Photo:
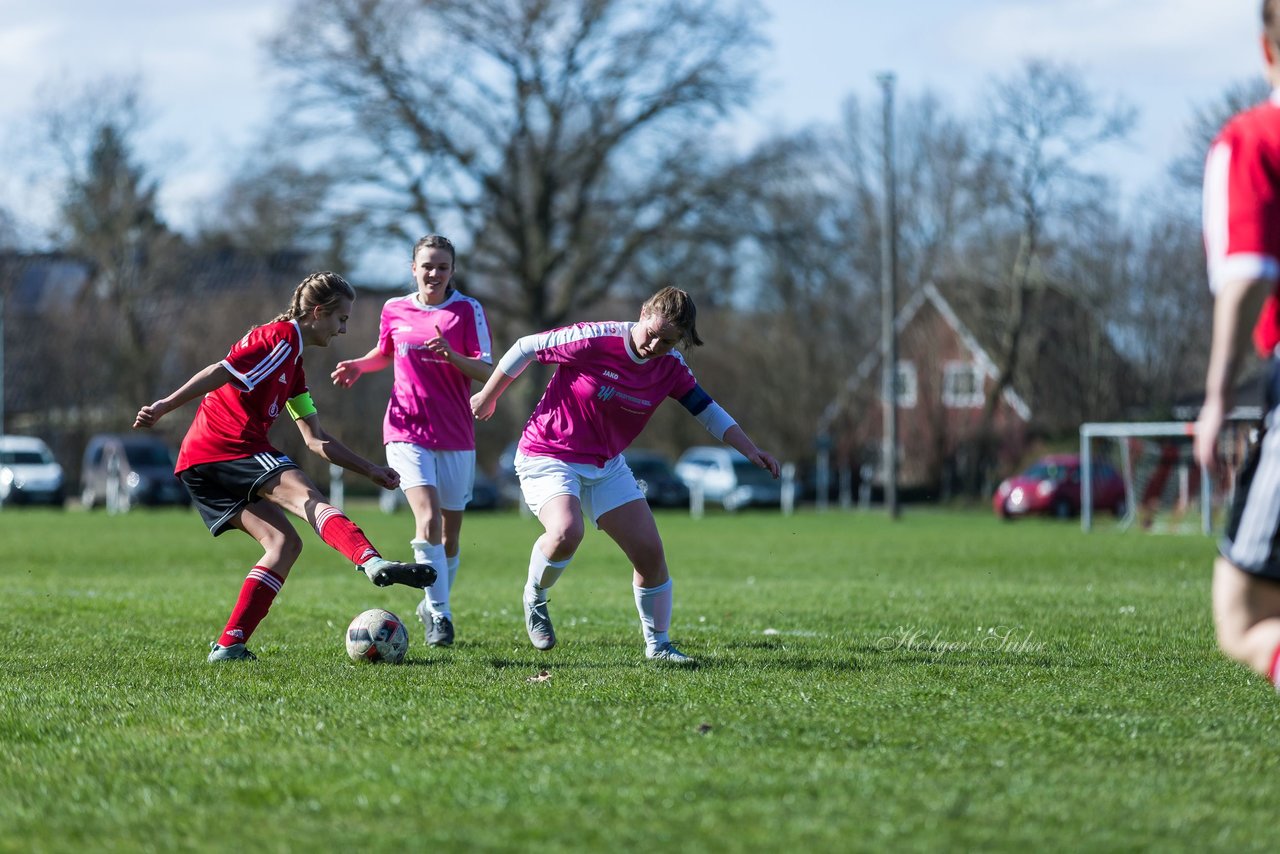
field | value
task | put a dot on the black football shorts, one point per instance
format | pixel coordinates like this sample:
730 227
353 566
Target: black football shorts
221 490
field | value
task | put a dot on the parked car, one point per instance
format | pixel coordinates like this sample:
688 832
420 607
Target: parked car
726 476
29 473
1052 487
484 493
139 467
657 479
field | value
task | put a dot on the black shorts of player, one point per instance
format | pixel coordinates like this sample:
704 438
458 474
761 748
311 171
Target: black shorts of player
221 490
1252 538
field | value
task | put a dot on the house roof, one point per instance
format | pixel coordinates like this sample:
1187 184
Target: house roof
927 295
38 282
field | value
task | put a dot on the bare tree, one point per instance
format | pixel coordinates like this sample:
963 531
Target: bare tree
109 218
273 203
564 136
1187 169
10 236
1044 124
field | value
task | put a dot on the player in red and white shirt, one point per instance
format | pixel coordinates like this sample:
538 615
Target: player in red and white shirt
1242 241
229 466
609 380
438 342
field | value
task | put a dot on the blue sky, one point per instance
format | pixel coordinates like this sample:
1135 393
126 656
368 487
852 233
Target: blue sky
208 85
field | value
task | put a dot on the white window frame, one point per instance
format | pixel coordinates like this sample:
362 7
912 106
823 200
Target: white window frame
951 374
907 385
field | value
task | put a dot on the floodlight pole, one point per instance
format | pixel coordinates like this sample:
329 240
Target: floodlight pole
889 305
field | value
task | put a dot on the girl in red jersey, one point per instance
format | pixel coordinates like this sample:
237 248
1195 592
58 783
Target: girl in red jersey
228 465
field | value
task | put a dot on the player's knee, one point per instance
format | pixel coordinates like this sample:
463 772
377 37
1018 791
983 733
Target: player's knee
648 557
565 538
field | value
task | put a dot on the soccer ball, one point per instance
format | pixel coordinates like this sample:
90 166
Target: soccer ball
377 636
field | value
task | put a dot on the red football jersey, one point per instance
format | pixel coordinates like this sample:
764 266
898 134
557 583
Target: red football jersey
1242 209
233 420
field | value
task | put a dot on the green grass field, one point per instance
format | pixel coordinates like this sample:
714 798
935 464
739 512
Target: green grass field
948 681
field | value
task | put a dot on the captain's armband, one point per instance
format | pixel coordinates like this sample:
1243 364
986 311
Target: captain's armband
301 406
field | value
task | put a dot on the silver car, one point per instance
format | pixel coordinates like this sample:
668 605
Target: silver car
727 477
29 474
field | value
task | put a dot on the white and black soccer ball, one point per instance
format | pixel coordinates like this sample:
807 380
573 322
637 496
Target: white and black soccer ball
377 636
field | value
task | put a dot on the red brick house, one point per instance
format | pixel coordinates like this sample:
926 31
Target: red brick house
944 374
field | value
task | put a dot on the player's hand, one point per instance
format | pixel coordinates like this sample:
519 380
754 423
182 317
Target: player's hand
346 373
148 415
385 476
765 460
482 406
439 346
1208 428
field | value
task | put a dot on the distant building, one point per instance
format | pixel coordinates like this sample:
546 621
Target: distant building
946 369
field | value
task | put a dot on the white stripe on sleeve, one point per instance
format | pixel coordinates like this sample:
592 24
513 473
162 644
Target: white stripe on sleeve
1217 169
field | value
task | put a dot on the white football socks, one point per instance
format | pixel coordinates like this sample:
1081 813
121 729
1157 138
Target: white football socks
654 605
437 595
543 573
453 568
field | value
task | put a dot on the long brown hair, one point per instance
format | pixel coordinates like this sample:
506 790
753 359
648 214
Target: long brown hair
318 290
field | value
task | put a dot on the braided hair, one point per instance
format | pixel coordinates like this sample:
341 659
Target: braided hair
323 290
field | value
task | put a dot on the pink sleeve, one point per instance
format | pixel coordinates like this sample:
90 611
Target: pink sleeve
386 344
683 381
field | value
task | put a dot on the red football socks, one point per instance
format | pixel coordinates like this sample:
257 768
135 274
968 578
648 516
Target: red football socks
256 595
342 534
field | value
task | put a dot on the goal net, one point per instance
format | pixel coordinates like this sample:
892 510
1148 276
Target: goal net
1164 489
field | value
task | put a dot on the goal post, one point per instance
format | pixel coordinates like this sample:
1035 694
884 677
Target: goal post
1125 433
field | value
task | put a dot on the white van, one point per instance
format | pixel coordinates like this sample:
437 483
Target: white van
29 474
726 476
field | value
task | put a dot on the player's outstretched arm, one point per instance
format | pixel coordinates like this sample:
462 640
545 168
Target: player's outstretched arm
348 371
327 447
737 438
510 366
213 377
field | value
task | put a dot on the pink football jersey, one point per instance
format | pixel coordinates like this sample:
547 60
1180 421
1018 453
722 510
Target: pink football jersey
430 402
601 395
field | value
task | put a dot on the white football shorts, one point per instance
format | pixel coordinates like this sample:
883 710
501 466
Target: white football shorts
598 489
452 473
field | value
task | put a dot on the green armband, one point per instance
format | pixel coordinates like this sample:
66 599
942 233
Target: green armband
301 406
